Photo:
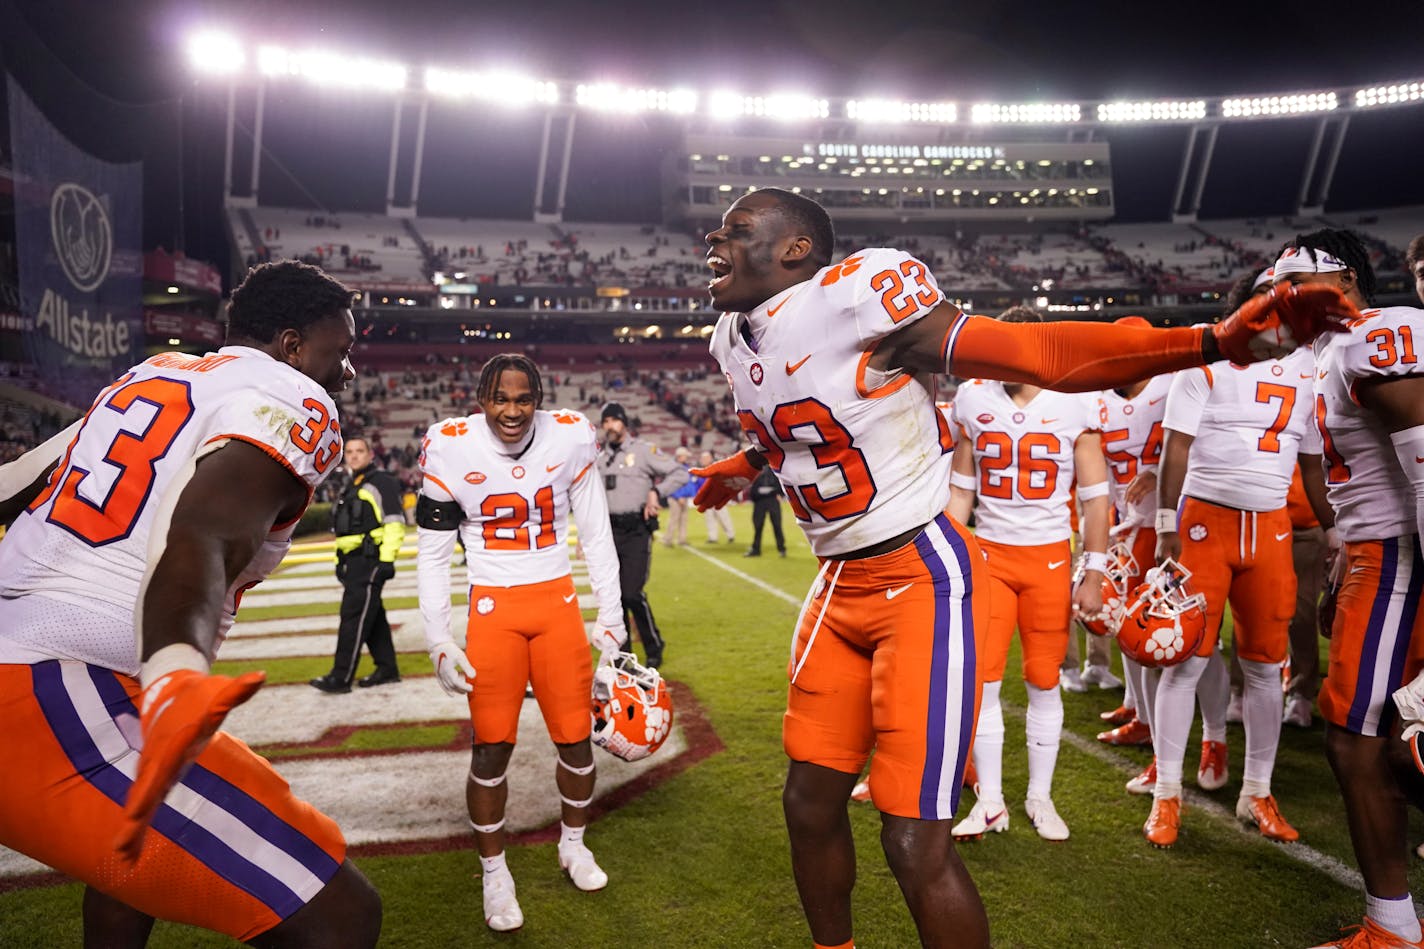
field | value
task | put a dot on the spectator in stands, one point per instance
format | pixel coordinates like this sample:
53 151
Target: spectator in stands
678 501
719 519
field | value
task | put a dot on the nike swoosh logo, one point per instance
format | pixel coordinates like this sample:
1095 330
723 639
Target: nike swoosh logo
993 818
571 597
891 594
793 366
1055 564
1156 400
1306 375
1047 421
771 310
553 467
1357 569
1283 536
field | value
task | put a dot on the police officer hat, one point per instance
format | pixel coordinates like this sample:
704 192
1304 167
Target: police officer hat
614 410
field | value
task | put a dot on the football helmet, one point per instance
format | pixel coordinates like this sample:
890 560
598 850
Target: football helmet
1163 618
1122 567
632 708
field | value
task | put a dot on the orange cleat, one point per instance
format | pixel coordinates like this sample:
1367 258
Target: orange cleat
1164 822
1135 734
861 792
1145 782
1118 716
1211 772
1265 813
1370 935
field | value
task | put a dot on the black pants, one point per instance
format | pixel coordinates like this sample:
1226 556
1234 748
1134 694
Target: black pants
635 547
761 510
363 619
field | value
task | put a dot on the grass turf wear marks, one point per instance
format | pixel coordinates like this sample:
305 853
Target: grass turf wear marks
701 859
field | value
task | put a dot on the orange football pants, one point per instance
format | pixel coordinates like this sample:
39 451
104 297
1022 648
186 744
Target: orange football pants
1242 558
1377 642
1031 591
231 849
884 657
529 634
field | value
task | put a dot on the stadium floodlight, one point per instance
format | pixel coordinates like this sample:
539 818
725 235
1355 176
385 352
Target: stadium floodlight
894 110
1389 95
1298 104
1031 113
506 88
611 97
1167 110
331 69
725 105
217 53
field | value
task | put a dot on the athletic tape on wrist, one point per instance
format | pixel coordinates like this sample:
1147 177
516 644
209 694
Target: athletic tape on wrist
1095 560
172 658
1166 521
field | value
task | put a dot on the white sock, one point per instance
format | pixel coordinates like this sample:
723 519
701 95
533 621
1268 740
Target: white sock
1172 722
989 746
1213 692
1397 915
1261 714
495 864
1043 726
570 835
1147 711
1130 679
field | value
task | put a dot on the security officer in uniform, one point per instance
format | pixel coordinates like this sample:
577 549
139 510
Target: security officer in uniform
637 477
369 523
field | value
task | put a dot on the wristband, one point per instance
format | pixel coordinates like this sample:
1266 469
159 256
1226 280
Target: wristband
172 659
959 479
1095 560
1166 522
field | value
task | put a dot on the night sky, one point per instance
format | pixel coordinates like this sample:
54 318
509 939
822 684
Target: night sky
132 52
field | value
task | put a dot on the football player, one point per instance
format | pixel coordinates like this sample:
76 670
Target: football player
507 480
1023 448
826 364
1233 433
1369 407
1132 443
174 494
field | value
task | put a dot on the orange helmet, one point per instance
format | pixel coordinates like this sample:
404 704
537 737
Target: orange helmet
632 708
1122 567
1163 620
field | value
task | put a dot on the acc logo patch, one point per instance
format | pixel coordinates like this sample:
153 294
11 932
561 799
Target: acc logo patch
984 418
454 428
756 373
475 477
1197 532
484 605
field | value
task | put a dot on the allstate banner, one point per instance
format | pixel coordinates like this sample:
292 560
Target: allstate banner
78 229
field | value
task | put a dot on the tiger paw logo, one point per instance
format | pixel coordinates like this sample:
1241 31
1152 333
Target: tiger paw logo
453 429
565 418
1197 532
656 725
843 269
756 374
484 605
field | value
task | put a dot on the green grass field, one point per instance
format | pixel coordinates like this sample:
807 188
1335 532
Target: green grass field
701 860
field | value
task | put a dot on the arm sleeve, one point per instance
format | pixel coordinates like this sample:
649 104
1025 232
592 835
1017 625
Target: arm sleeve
1069 356
1409 449
432 559
589 506
1186 400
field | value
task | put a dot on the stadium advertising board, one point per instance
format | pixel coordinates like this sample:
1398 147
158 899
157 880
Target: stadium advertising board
78 227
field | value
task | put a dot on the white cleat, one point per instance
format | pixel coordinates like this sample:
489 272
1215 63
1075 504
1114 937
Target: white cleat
1071 680
502 912
1233 709
982 820
1100 676
577 861
1045 819
1298 712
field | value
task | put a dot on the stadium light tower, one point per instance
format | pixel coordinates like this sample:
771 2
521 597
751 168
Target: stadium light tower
216 53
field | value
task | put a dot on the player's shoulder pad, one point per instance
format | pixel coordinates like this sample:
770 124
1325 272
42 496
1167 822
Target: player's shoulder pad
1379 343
449 428
437 515
287 414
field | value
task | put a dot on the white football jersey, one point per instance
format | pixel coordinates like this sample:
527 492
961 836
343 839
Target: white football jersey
1132 443
1249 422
84 542
862 456
1023 459
516 508
1371 496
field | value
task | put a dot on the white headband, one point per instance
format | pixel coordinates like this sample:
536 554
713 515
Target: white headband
1307 260
1264 277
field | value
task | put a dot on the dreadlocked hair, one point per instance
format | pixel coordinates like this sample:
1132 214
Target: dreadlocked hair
490 373
1345 245
1239 293
284 294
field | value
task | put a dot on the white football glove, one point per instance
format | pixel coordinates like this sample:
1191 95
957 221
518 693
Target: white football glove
609 638
452 668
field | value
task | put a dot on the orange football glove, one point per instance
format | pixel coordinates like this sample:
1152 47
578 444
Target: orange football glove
179 714
726 477
1271 325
